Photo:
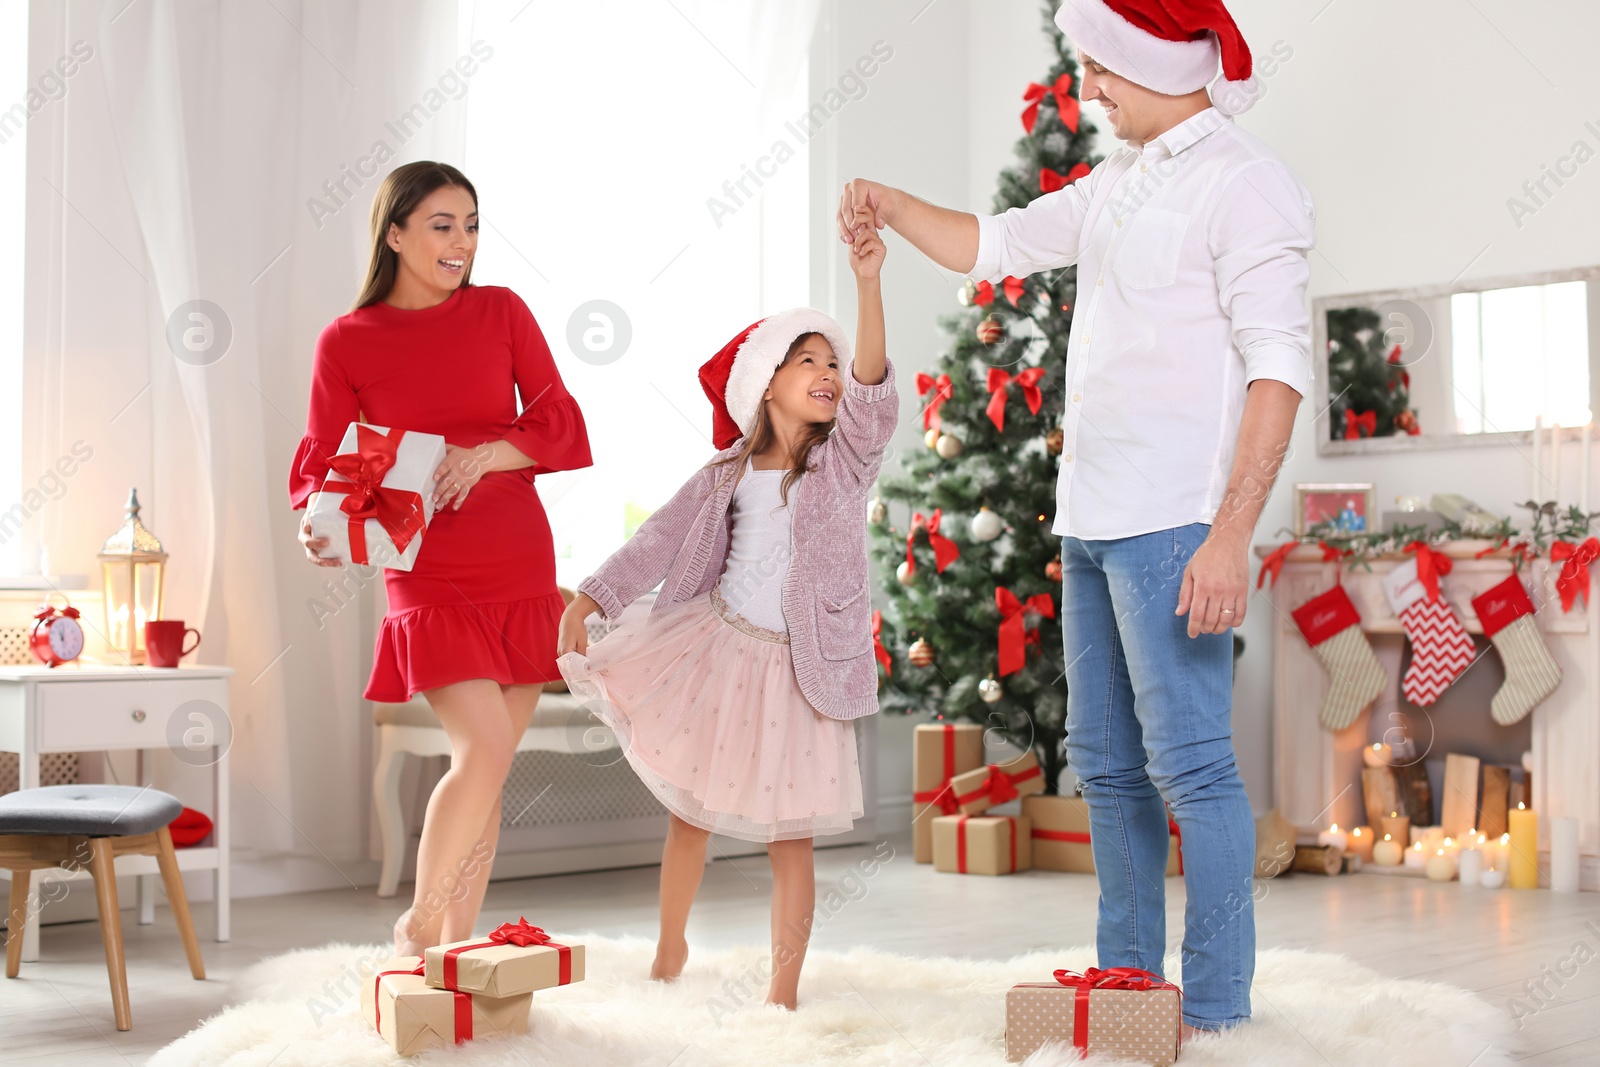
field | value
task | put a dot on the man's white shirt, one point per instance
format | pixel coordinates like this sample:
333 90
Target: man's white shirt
1192 270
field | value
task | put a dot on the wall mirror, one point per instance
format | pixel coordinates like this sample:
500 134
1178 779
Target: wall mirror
1476 363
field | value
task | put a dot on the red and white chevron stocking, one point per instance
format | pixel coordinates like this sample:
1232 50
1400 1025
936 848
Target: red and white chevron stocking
1440 646
1332 627
1531 672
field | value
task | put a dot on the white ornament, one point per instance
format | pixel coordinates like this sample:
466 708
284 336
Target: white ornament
905 573
964 295
986 525
990 691
949 446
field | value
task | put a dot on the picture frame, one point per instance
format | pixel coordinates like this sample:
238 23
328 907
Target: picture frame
1351 506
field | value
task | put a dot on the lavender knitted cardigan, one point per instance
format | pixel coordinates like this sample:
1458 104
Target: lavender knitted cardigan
826 601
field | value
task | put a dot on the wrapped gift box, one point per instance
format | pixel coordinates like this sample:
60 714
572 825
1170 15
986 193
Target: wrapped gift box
939 752
981 844
979 790
1120 1013
412 1016
1061 835
514 958
377 500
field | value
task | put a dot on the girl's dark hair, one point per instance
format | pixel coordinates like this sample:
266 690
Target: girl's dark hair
402 191
762 435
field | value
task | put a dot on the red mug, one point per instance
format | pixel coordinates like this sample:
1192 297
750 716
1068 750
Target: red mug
163 641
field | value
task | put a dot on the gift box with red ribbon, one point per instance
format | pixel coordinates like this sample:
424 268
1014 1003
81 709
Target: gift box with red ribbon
939 752
1061 835
1120 1012
377 500
513 958
981 844
989 786
413 1016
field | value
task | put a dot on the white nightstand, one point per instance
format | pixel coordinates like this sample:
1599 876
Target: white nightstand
95 708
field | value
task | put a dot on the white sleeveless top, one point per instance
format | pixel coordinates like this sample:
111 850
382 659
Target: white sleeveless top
758 549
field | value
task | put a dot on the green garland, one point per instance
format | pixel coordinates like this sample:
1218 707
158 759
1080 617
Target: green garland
1548 525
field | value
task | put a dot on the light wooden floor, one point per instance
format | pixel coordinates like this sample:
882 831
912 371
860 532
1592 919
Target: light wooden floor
59 1011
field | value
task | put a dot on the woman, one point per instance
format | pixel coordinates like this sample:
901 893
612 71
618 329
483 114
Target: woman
472 626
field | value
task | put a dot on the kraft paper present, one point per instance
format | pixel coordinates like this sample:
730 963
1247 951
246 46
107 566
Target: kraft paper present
412 1016
386 476
1061 836
939 752
1135 1024
514 958
985 787
981 844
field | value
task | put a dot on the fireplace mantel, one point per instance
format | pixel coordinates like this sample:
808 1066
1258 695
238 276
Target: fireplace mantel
1317 772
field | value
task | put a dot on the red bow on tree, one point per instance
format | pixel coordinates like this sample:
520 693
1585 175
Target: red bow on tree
942 391
1014 634
1430 565
1574 578
945 551
398 511
1050 181
1000 381
1394 361
878 650
1354 424
985 294
1066 103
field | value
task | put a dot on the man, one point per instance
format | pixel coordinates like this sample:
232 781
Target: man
1188 356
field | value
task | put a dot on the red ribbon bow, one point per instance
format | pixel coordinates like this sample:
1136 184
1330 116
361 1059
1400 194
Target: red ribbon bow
945 551
1013 632
519 933
1000 382
1066 103
1108 978
1574 577
1430 566
942 390
1353 424
398 511
1273 564
878 650
1050 181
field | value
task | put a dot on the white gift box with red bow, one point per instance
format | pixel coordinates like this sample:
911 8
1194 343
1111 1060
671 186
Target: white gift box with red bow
377 500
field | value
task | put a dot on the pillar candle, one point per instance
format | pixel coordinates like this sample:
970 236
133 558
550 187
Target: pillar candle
1334 836
1396 826
1523 860
1538 459
1415 857
1564 854
1470 862
1377 755
1441 866
1361 842
1386 853
1555 461
1583 469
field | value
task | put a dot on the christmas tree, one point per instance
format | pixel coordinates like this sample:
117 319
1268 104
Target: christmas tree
971 628
1367 375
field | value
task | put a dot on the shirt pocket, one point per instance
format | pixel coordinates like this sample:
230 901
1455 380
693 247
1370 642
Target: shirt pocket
1148 258
844 627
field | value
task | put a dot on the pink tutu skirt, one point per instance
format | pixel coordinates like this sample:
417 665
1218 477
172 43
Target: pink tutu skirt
707 709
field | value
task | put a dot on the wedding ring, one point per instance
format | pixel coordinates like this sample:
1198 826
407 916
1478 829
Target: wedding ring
1227 611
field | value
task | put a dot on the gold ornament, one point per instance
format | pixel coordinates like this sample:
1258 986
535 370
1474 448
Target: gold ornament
904 572
990 690
990 331
1053 441
877 511
920 653
931 438
949 446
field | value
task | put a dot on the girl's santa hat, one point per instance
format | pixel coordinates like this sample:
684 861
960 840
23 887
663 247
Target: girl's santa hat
1170 46
736 377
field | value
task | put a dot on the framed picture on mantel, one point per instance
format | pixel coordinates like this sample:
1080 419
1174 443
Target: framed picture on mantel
1347 507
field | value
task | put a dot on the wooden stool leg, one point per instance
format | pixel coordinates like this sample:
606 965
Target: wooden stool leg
17 920
179 900
105 894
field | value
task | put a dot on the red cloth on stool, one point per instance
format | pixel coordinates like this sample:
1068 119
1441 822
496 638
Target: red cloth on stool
189 828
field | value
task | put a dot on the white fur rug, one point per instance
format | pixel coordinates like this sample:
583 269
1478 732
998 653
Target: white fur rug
859 1007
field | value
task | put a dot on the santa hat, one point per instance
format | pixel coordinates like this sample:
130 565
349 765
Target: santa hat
736 377
1170 46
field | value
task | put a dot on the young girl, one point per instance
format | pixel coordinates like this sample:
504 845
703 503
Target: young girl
732 696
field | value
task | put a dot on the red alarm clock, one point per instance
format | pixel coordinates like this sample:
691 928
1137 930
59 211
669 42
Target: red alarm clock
57 637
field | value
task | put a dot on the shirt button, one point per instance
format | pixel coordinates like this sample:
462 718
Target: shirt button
1143 168
1100 280
1119 222
1077 398
1067 458
1085 338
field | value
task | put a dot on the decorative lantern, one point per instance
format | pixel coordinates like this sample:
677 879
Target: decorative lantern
134 572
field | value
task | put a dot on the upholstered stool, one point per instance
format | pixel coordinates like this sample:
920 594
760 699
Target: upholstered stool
77 826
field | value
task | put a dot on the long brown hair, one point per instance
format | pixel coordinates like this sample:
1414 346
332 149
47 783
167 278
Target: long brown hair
762 435
402 190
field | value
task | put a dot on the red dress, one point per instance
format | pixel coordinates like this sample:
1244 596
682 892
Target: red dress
481 601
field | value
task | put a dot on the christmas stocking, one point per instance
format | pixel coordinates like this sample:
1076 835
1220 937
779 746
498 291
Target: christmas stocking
1333 629
1531 672
1440 646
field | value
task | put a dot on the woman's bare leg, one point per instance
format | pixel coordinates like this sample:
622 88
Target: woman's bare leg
683 861
794 902
476 719
459 917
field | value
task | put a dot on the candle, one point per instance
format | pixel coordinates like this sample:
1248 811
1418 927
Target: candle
1523 858
1377 755
1441 867
1564 854
1386 853
1334 836
1471 867
1361 843
1396 826
1538 459
1501 852
1492 878
1449 847
1415 857
1555 462
1583 469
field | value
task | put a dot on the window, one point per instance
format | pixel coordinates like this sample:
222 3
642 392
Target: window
629 154
1521 354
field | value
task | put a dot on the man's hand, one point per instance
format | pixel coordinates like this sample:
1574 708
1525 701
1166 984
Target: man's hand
1216 585
861 205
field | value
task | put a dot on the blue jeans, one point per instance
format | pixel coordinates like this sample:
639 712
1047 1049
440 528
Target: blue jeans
1148 722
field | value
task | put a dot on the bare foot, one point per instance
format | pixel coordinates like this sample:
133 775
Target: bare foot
783 998
405 943
670 960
